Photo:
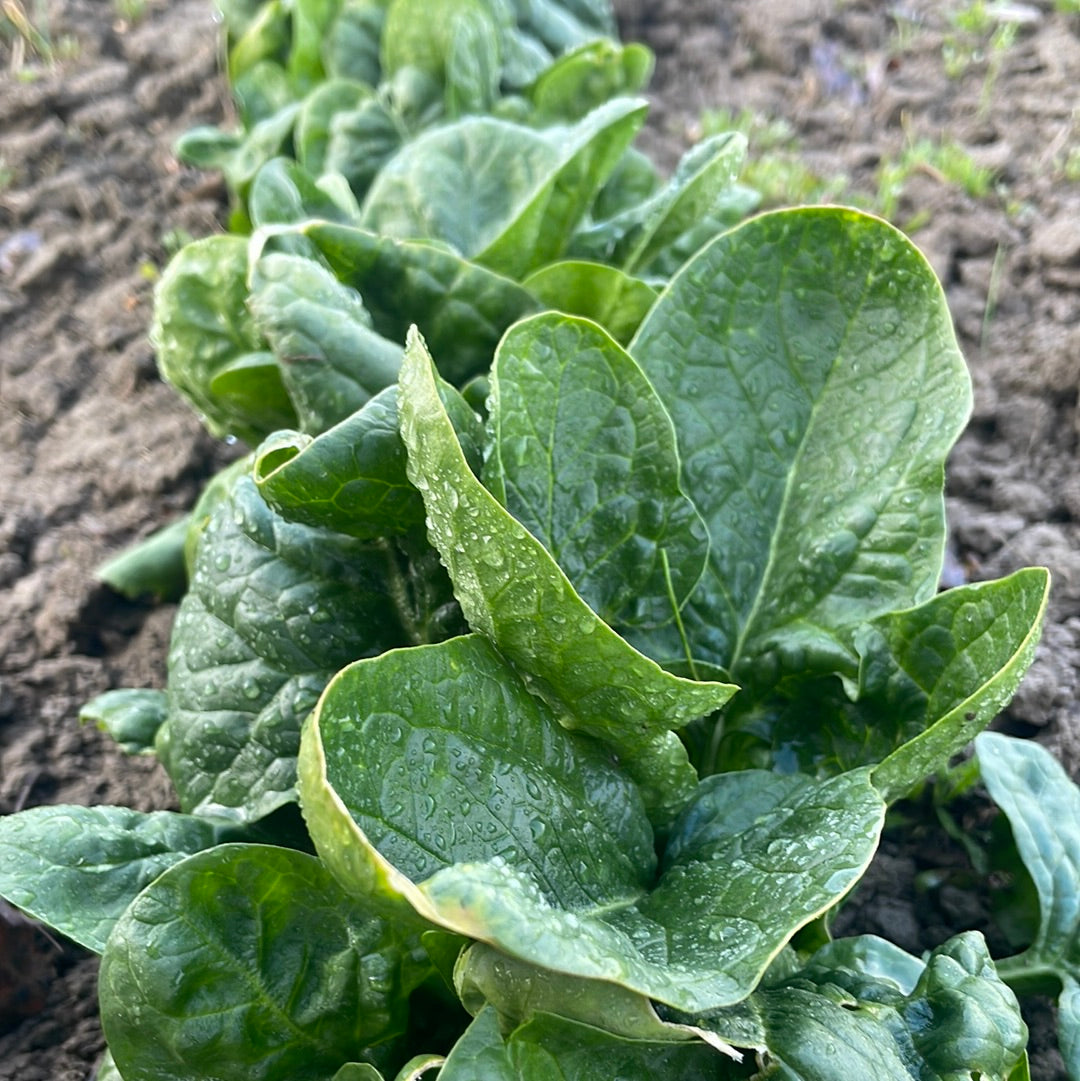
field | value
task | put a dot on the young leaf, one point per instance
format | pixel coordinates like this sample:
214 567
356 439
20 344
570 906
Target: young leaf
771 350
511 589
451 185
588 76
132 717
202 331
863 1008
955 662
1043 808
78 868
554 1049
352 478
604 294
552 860
584 457
248 963
331 360
283 193
463 308
274 610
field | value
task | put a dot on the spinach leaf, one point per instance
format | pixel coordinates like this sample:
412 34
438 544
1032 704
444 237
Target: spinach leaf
583 455
528 837
78 868
249 962
1043 808
452 184
131 716
551 1048
275 608
511 589
771 350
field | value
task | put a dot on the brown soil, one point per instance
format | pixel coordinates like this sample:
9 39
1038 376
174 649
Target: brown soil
97 452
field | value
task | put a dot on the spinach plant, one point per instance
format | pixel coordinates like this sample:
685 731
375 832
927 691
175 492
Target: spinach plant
546 670
531 779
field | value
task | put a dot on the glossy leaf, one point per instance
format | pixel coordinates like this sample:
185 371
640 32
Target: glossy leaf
584 457
588 76
601 293
511 589
950 665
1043 808
78 868
202 330
131 716
551 860
512 216
274 610
553 1049
352 478
247 962
771 349
331 360
463 308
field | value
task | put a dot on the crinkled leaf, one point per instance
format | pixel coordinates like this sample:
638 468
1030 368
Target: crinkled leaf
930 679
461 307
275 608
78 868
588 76
583 455
131 716
527 837
863 1008
511 589
440 755
248 963
352 478
202 330
604 294
1043 808
950 666
331 360
498 192
554 1049
152 567
809 364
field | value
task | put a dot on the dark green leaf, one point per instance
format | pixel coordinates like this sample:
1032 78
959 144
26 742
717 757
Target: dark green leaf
602 293
463 308
275 608
331 360
584 457
772 350
248 963
510 588
78 868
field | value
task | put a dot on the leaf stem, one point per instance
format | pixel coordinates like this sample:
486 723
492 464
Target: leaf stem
399 593
677 612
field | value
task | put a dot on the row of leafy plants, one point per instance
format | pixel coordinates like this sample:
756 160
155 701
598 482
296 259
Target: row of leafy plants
546 671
